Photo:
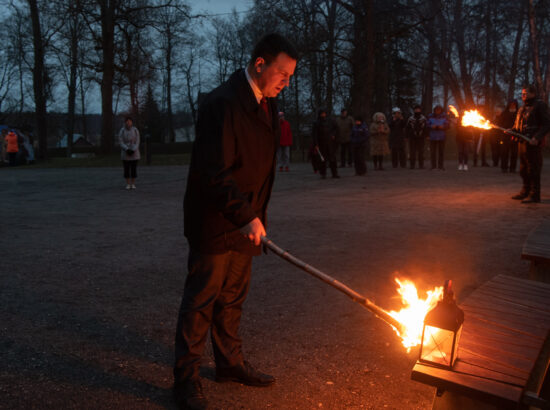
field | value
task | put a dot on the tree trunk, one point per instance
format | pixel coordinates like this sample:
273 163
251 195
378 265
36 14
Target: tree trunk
39 75
515 54
108 68
535 46
169 113
331 23
462 57
72 87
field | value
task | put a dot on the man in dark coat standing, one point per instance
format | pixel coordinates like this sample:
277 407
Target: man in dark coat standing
533 121
228 189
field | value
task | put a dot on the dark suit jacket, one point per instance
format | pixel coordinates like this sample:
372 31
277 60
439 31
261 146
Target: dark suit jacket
232 168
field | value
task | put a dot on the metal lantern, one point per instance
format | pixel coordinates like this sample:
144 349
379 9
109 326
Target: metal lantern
441 332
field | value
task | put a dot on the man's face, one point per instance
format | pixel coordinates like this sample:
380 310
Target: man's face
344 113
437 111
526 95
417 111
275 76
129 123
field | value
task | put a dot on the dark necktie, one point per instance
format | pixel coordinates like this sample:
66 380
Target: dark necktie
263 104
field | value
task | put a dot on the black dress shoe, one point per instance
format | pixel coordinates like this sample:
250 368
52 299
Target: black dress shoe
531 200
189 396
244 374
520 196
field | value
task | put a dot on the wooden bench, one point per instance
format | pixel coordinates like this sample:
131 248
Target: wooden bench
537 249
504 350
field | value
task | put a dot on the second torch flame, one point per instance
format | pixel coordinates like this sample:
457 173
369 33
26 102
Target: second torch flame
414 310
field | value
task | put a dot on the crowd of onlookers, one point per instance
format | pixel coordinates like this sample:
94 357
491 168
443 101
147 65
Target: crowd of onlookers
404 140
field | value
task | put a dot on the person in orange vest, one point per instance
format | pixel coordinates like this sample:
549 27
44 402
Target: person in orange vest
12 148
283 152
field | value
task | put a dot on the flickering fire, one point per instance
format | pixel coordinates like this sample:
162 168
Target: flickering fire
454 110
414 311
475 119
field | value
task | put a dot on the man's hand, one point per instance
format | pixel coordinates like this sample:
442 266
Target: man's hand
254 230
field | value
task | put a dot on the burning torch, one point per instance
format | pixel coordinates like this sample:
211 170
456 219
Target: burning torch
475 119
356 297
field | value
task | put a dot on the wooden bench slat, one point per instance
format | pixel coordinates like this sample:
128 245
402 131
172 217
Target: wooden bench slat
531 312
538 292
501 394
511 315
509 296
495 325
498 356
521 282
475 330
504 343
539 331
473 358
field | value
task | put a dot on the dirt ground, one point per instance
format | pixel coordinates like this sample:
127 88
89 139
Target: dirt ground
92 275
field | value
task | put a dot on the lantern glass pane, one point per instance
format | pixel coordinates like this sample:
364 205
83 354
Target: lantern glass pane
437 346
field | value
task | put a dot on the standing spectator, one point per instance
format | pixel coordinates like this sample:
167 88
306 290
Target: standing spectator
285 142
509 148
438 123
416 131
379 133
496 138
533 121
359 142
397 139
3 145
464 138
128 138
228 189
344 123
12 148
324 141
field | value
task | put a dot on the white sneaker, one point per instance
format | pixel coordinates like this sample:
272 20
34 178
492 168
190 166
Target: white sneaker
128 186
460 167
133 186
465 167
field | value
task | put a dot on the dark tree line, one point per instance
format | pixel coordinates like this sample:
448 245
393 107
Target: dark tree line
151 58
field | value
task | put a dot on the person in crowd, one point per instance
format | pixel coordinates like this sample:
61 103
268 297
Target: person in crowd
397 139
509 147
496 138
344 123
416 131
324 141
285 142
3 136
464 138
12 147
379 134
228 189
438 123
533 121
359 145
128 139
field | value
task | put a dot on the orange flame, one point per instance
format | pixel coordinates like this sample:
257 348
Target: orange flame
412 315
454 110
475 119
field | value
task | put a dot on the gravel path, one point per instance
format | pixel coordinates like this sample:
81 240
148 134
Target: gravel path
92 277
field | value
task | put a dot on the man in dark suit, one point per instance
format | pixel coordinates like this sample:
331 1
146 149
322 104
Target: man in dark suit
228 189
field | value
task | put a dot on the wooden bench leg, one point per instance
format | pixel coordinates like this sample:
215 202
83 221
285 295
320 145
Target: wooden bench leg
539 271
452 401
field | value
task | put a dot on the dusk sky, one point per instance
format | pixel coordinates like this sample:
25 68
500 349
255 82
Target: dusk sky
220 6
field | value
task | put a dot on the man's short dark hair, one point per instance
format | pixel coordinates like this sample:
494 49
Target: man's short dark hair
270 46
128 118
417 107
531 88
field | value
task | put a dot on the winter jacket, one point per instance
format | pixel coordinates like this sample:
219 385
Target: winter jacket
416 127
344 124
286 133
129 139
437 125
359 134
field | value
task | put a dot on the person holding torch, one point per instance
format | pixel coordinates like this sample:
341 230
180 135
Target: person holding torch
533 121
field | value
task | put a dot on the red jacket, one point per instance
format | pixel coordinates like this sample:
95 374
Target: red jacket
286 134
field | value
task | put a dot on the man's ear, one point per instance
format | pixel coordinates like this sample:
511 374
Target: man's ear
259 64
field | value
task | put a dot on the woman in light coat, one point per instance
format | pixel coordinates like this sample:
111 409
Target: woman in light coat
128 138
379 135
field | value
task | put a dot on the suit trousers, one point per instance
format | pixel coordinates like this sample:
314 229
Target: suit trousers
530 168
213 295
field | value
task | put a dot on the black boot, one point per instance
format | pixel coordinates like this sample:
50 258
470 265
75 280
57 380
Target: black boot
189 395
